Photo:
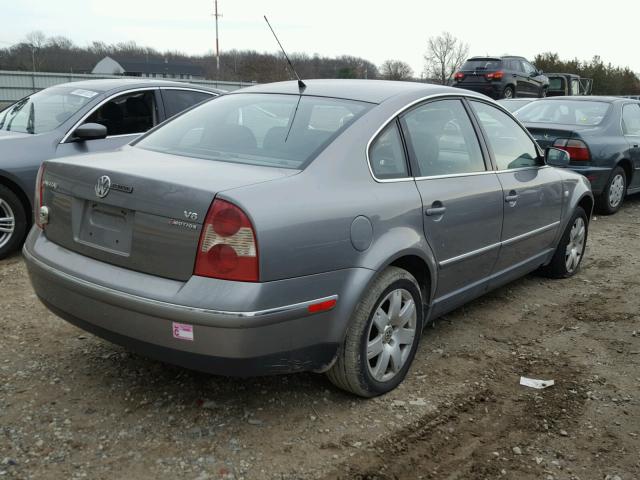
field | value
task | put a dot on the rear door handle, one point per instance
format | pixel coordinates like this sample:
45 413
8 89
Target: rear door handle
436 209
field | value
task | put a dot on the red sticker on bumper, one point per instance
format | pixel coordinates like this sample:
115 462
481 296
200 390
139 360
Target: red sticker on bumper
182 331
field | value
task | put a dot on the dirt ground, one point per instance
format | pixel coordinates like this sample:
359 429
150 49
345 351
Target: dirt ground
74 406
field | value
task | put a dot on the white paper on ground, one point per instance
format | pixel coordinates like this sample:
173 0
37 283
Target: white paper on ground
533 383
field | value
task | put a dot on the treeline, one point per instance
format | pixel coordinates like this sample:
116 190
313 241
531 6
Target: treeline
59 54
607 79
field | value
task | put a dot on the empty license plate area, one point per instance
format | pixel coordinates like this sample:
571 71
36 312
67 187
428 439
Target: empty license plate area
106 227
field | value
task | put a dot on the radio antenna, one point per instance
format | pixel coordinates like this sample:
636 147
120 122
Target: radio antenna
301 84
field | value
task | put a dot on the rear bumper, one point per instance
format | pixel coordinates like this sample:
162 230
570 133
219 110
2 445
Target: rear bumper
239 328
597 176
493 90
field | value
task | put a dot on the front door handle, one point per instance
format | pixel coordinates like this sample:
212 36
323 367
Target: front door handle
512 197
436 209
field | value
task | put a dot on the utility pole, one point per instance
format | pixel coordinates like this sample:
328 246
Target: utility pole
217 15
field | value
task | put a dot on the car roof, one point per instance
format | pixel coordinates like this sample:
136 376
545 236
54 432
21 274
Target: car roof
497 58
372 91
592 98
108 84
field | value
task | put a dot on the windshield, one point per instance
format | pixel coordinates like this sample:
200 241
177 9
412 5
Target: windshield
482 64
44 111
568 112
259 129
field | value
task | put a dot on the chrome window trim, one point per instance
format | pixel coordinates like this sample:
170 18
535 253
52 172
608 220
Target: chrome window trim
456 95
124 92
453 175
493 246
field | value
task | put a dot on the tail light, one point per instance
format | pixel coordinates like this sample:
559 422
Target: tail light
459 76
227 247
576 149
37 204
495 75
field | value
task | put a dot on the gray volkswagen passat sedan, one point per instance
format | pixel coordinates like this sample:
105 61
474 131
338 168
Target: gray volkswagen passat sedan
75 118
276 230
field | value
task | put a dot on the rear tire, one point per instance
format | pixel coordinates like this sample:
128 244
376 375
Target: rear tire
13 222
570 251
611 198
382 338
509 92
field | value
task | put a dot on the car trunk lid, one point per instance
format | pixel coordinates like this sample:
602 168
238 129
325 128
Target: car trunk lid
547 133
139 209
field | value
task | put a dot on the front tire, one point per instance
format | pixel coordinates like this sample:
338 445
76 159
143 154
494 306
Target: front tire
543 93
383 336
13 222
570 251
611 198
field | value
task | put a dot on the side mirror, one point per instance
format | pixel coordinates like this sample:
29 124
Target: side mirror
556 157
90 131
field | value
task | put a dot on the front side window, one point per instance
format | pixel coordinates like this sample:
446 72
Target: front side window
387 154
46 110
127 114
631 119
442 140
258 129
528 68
510 144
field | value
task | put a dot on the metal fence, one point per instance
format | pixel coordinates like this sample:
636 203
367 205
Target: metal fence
15 85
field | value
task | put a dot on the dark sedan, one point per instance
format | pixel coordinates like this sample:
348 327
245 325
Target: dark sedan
602 136
70 119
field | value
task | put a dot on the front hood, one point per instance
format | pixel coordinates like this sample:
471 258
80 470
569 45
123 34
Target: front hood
4 135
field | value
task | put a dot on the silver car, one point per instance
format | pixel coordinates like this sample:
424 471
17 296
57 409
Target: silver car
279 229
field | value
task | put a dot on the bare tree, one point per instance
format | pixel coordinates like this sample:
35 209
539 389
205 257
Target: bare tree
396 70
445 55
36 40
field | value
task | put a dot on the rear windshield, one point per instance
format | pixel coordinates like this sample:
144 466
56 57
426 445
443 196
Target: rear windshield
568 112
482 64
259 129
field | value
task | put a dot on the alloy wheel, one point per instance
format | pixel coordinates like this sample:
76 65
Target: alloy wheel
7 223
575 247
391 335
616 191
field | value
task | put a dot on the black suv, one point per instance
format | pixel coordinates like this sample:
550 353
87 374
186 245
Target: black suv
502 77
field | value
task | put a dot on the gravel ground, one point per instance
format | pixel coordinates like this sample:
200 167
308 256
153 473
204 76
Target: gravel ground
74 406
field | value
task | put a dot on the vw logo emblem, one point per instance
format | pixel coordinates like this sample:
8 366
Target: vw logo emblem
103 186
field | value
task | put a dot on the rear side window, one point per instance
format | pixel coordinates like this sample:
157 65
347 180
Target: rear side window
127 114
511 146
175 101
258 129
631 120
387 155
442 140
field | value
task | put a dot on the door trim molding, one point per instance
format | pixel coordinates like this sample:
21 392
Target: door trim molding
509 241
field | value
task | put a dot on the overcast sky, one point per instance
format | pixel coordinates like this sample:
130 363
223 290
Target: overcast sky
371 29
